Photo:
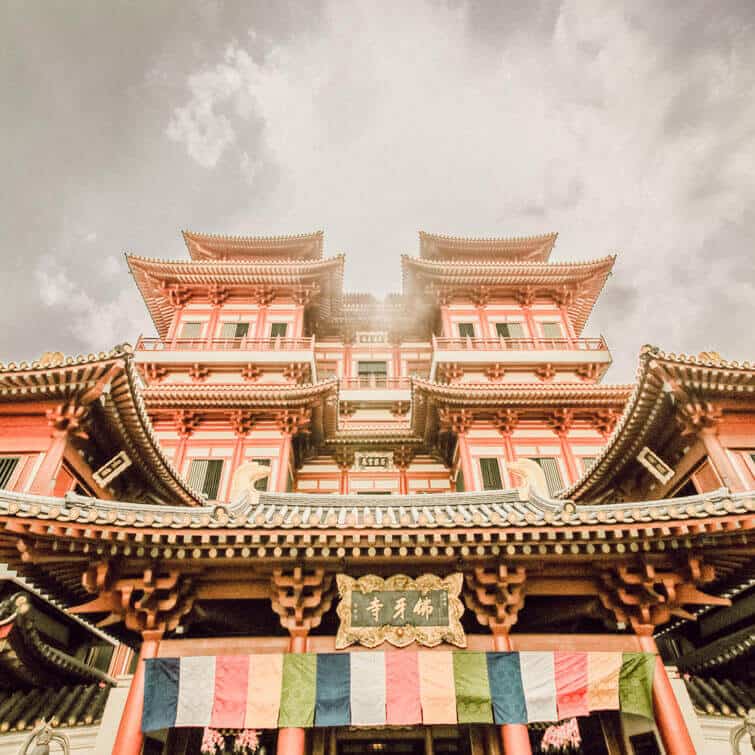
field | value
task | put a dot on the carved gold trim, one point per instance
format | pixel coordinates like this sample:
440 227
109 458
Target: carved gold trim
404 635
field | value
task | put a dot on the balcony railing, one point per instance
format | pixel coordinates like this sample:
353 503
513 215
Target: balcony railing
226 344
375 382
519 344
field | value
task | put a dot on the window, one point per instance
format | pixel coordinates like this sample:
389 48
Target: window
263 483
550 468
509 330
551 330
466 330
8 466
491 474
234 330
191 330
588 462
460 482
372 373
204 476
278 329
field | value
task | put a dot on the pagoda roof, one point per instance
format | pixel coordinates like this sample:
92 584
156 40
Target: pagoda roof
720 697
157 280
210 246
502 249
508 516
259 401
107 382
27 658
486 399
662 379
578 284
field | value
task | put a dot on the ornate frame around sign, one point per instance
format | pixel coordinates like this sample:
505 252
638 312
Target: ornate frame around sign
400 636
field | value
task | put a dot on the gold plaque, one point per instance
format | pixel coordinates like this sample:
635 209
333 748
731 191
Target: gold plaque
401 610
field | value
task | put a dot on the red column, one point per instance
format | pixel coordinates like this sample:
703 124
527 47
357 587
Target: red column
668 715
212 325
403 482
259 325
530 320
343 480
44 481
465 460
515 739
445 318
566 452
293 741
284 461
721 461
129 739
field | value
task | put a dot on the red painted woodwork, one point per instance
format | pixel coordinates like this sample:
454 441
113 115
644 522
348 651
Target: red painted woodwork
514 737
668 715
293 741
129 739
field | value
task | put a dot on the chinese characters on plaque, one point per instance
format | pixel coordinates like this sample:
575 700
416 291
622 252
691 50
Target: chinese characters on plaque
400 610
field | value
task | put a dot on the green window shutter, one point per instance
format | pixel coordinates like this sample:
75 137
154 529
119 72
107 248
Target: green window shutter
191 330
197 474
588 462
8 466
212 479
263 483
466 330
278 329
204 476
228 330
550 468
502 329
460 482
491 474
242 329
373 368
552 330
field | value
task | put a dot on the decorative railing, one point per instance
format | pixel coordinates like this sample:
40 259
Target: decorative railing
375 382
519 344
226 344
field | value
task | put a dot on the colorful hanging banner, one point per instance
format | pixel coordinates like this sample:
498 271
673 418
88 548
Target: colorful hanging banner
400 688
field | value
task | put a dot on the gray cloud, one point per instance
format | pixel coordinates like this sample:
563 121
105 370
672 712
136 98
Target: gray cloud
628 129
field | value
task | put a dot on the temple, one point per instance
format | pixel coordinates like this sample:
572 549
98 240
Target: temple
301 520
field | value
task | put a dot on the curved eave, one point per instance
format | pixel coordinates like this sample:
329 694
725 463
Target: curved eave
533 248
502 512
236 396
151 275
658 376
588 278
109 383
32 660
204 246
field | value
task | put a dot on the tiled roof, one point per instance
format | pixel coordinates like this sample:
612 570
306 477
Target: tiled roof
494 508
585 279
155 276
71 705
534 248
112 379
213 246
721 697
651 405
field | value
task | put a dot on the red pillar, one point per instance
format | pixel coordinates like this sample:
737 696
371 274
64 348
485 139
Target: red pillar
293 741
44 481
129 739
567 453
515 739
284 461
403 482
668 715
721 461
465 460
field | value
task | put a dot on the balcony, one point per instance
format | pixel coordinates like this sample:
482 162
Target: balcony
520 351
226 350
375 388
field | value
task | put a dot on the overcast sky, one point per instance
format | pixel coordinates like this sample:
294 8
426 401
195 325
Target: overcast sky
626 129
